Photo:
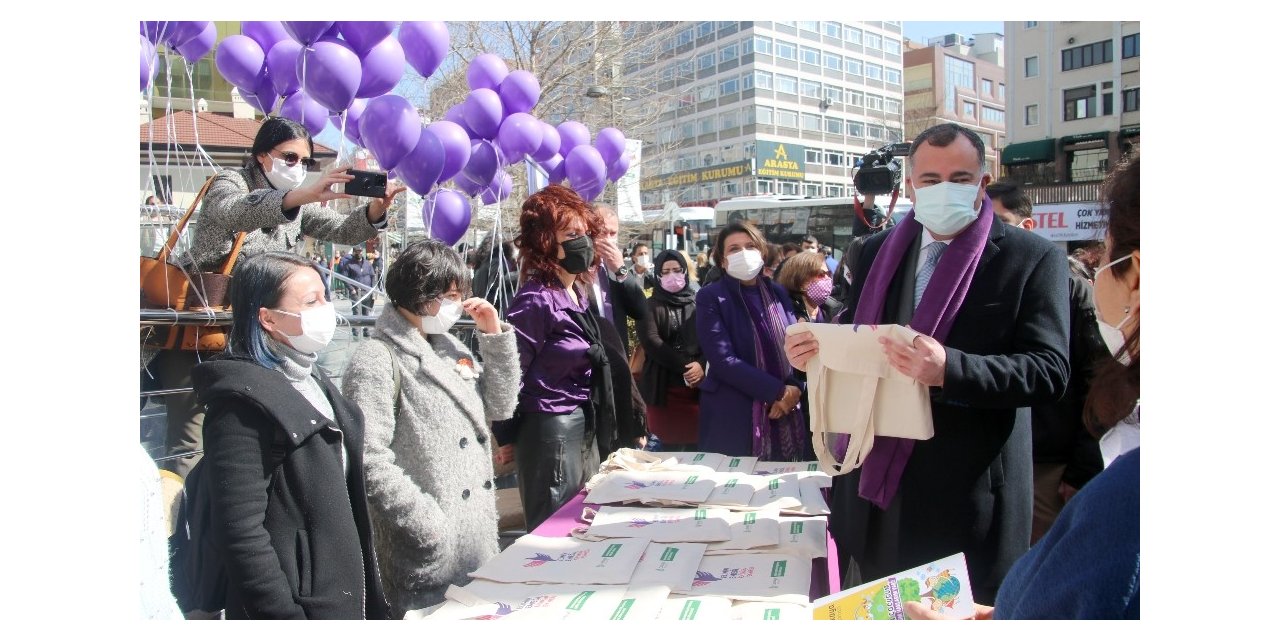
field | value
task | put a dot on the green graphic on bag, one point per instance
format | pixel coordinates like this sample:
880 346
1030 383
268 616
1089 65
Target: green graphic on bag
612 550
730 484
580 600
669 554
797 528
700 514
772 614
690 610
691 480
623 607
699 457
773 484
779 569
813 466
750 518
735 462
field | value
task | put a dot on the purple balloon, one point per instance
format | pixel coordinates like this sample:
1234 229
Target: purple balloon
264 102
301 108
199 46
550 143
483 164
590 192
483 112
364 35
498 189
456 144
572 134
282 64
619 168
519 135
240 60
147 62
519 91
180 32
421 168
332 74
381 68
447 214
264 32
584 167
486 71
390 128
554 166
306 32
610 143
426 44
352 115
455 115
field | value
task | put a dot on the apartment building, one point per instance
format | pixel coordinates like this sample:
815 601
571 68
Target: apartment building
958 79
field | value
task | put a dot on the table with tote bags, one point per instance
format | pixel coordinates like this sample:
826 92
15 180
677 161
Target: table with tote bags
678 536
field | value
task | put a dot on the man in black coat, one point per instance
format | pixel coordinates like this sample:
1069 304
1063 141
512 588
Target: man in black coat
968 489
362 300
617 293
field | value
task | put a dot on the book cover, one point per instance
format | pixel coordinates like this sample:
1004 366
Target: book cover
941 584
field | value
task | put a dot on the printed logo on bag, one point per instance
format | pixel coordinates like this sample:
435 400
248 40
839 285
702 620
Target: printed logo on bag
735 462
639 522
773 484
749 519
698 457
612 550
503 609
691 480
540 559
772 614
637 485
669 554
797 527
623 607
779 569
813 466
703 578
579 600
690 610
729 485
700 514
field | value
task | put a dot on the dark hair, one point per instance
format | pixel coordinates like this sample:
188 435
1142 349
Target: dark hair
257 283
942 135
810 238
1011 197
738 226
799 269
637 246
790 247
1115 387
275 130
424 271
543 215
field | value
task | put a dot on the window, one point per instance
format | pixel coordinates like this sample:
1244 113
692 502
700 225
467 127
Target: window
872 41
706 61
959 75
729 53
892 106
853 67
687 129
853 98
747 81
729 120
684 70
836 126
1129 46
706 125
875 132
1031 66
1086 55
809 26
728 87
831 61
986 87
893 76
1130 99
764 45
834 190
684 37
834 95
787 84
729 188
992 116
706 92
810 89
809 55
875 102
810 122
785 50
706 28
1080 103
812 156
787 118
764 79
831 29
1000 95
1033 114
1107 107
852 36
892 46
874 71
970 109
811 190
835 158
853 129
1030 24
764 115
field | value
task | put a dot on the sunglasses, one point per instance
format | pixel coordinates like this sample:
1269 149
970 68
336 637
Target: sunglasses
290 158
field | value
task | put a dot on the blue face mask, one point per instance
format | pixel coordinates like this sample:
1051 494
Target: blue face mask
946 208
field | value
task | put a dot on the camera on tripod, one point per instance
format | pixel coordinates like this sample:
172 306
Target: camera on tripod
880 172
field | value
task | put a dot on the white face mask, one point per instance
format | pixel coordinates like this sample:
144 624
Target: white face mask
745 264
644 261
318 325
444 318
1113 336
284 177
946 208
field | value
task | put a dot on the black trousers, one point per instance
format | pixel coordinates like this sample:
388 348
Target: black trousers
554 460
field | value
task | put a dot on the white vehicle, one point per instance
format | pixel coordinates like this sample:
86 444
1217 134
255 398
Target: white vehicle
833 221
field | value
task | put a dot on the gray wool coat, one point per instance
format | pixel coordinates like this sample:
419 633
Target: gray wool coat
430 471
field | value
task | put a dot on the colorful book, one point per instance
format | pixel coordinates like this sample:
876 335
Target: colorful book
942 584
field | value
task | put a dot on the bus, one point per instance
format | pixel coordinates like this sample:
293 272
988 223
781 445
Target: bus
782 219
688 228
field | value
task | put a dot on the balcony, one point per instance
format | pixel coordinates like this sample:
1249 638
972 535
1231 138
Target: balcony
1063 193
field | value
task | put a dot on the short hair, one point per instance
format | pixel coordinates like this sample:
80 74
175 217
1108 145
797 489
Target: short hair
738 226
637 246
810 238
942 135
1011 197
542 215
275 130
773 255
424 271
799 269
601 208
790 247
257 283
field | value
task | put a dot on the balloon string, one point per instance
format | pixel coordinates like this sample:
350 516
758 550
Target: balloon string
204 158
342 146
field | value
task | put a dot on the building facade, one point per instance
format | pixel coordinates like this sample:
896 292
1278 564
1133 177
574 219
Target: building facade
755 108
960 80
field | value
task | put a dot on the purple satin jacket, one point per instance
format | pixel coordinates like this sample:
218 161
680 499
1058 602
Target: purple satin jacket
553 349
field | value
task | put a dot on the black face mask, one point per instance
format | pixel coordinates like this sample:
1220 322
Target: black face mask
578 254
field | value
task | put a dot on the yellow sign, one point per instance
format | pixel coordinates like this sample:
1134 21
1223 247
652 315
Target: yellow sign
696 176
778 163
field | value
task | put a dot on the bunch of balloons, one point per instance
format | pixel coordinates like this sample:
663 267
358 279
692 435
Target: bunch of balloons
191 40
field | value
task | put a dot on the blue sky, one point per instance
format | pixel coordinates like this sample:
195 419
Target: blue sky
919 31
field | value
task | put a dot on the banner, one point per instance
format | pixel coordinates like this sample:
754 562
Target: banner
629 187
1070 221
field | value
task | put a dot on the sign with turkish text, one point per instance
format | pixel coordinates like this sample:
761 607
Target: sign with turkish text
1070 221
779 160
698 176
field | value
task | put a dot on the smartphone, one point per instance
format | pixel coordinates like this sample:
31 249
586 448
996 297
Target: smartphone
365 183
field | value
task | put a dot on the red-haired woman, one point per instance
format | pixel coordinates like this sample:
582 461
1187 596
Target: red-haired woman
559 342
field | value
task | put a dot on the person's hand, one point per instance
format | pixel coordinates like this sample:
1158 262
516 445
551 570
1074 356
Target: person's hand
321 190
484 314
868 201
641 442
916 610
1066 491
378 206
790 398
504 454
800 348
610 254
923 359
693 374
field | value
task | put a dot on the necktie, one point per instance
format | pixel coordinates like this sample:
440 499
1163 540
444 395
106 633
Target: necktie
931 256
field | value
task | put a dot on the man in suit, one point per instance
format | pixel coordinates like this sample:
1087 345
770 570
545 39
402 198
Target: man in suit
616 292
996 298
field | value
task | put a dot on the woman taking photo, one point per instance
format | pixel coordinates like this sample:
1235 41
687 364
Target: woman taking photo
284 456
750 394
428 454
806 278
673 366
266 201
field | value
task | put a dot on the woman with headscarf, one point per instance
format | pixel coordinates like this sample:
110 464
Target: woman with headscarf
673 364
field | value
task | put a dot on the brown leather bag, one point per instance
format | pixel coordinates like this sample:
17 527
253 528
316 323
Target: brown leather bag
167 286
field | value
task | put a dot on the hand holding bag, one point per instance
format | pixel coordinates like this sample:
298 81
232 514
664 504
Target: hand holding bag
853 390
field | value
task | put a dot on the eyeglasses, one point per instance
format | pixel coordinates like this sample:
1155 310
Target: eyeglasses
667 272
290 158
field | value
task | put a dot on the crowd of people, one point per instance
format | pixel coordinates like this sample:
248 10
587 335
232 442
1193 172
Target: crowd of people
370 500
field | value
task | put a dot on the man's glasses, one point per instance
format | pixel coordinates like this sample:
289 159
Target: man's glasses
290 158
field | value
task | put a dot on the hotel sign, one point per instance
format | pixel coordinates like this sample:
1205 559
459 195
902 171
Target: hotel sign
697 176
779 160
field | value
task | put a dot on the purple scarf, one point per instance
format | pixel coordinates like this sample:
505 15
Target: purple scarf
882 469
781 439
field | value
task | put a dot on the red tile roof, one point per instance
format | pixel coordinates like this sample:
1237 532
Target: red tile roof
216 130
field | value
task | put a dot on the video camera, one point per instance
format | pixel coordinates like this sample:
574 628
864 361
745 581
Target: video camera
880 172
